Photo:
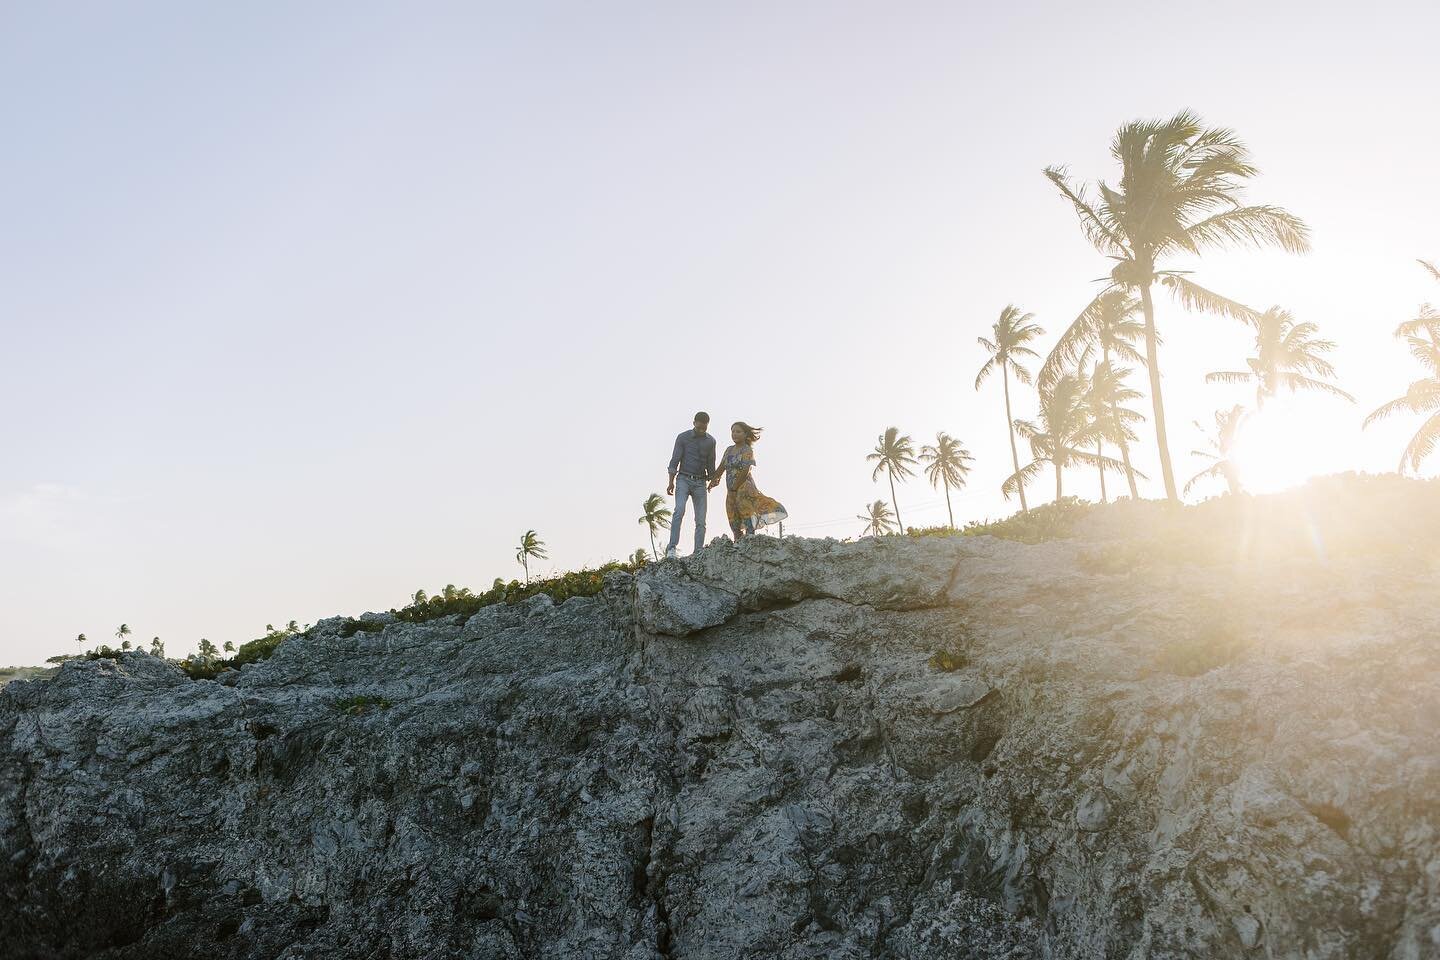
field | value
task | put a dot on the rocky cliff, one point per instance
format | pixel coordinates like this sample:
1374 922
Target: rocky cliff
934 747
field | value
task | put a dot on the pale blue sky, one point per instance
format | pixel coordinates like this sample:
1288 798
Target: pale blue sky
308 305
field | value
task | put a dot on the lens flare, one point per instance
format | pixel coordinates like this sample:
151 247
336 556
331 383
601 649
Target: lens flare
1290 441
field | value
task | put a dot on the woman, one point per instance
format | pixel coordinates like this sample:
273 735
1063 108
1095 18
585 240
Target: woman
746 507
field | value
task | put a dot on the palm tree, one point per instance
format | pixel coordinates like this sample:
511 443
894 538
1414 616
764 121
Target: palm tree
1179 193
1011 334
123 631
80 641
530 546
229 647
1222 450
656 516
877 520
156 647
1060 439
1423 396
1110 324
949 463
1287 354
639 559
1106 394
207 649
894 454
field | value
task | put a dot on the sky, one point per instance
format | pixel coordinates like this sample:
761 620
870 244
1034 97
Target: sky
307 306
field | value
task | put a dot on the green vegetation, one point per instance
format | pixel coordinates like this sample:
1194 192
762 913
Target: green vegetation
577 583
24 673
877 519
530 546
656 517
358 705
1050 521
948 464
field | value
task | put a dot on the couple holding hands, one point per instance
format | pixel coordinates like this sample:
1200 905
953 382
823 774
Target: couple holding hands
693 474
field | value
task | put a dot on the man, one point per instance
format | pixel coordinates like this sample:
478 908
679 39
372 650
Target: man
692 465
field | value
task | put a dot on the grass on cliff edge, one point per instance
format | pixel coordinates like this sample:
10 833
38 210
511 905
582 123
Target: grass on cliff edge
422 609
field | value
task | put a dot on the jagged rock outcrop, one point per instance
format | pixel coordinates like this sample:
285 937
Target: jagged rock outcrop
893 748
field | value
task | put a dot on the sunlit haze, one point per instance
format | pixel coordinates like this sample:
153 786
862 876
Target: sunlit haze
308 306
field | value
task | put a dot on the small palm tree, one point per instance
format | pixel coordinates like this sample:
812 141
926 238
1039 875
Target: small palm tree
949 463
656 517
894 455
292 627
1287 354
1061 438
80 641
1221 452
1106 394
1109 324
1011 333
156 647
122 632
877 519
207 649
638 558
530 546
1422 335
1178 194
229 647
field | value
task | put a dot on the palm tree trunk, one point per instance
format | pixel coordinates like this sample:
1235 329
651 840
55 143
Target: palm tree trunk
1099 451
890 472
1058 490
653 552
947 505
1120 435
1129 470
525 562
1152 360
1010 428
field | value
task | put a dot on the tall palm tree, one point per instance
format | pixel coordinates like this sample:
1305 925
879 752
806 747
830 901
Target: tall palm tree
1106 394
877 520
1011 333
1179 193
1109 324
1222 450
207 649
656 517
894 455
1423 395
530 546
1287 354
80 641
949 463
122 632
1061 438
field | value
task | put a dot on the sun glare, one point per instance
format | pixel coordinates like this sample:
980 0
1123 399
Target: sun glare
1290 441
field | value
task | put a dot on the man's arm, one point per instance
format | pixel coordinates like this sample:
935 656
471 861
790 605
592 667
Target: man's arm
717 477
675 464
711 465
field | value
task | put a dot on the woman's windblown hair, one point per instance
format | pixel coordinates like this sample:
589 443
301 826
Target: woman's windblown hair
750 433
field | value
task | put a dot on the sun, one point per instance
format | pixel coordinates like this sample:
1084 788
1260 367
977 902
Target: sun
1290 441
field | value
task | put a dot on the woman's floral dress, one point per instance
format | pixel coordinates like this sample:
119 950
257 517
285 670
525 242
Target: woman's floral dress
745 506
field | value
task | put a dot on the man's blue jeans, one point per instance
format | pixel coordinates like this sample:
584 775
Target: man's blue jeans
688 489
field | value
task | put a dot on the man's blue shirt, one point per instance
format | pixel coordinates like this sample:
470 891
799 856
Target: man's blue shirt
694 454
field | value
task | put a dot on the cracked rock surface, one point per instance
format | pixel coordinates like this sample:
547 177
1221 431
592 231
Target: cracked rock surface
901 748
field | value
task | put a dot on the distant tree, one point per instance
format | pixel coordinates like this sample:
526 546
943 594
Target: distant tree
229 647
1178 194
122 631
949 463
1109 325
1011 334
1221 452
1105 397
292 627
419 597
156 647
655 517
530 546
1061 437
877 520
208 650
80 642
894 455
1422 335
638 558
1288 355
124 644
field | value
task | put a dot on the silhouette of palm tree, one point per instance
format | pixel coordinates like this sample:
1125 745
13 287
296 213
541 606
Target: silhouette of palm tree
949 463
1011 334
894 454
877 519
1105 397
1287 354
1060 439
1221 450
122 632
1108 323
1179 193
1422 335
530 546
80 642
656 517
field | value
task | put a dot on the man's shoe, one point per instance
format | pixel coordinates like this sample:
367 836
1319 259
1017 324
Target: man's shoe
669 553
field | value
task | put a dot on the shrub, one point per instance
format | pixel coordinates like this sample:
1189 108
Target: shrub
1049 521
464 604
